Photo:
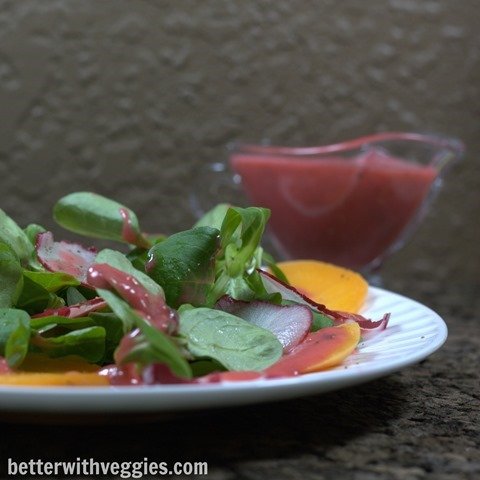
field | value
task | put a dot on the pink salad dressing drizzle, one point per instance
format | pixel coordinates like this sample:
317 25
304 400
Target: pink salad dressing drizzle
129 233
150 306
4 368
123 375
126 345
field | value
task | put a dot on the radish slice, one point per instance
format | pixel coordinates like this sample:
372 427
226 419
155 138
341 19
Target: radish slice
289 323
75 311
274 285
66 257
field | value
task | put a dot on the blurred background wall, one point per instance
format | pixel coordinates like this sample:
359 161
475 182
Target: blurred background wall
131 98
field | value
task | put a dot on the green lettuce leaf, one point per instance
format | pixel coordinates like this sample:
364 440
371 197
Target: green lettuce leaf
184 265
12 235
11 277
88 343
96 216
14 335
229 340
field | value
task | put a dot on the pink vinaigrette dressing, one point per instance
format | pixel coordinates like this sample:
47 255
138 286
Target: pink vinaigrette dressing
151 306
347 211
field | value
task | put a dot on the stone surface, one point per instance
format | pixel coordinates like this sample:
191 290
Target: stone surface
134 99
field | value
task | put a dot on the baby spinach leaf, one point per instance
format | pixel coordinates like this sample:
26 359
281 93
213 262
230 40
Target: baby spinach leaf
120 308
15 238
214 217
88 343
319 321
139 256
235 343
32 230
204 367
119 261
114 327
40 324
35 298
52 281
96 216
114 331
14 335
11 277
184 265
73 296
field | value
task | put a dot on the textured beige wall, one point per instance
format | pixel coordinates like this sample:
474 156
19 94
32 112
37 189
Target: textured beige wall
131 98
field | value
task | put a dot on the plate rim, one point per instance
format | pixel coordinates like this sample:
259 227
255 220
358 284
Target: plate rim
95 399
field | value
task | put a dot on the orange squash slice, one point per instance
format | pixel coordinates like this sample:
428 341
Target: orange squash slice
336 287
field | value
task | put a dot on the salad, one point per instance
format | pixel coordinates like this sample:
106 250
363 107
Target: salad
203 305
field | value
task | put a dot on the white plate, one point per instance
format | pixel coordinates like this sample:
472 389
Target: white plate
414 332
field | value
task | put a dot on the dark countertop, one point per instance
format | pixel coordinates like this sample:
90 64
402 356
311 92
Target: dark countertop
422 422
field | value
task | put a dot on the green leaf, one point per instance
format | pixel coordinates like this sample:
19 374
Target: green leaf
235 343
40 323
15 238
74 296
270 262
32 230
204 367
184 265
114 331
35 298
114 327
214 217
14 335
96 216
320 321
11 277
52 281
88 343
119 261
120 308
252 222
151 345
139 256
241 254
